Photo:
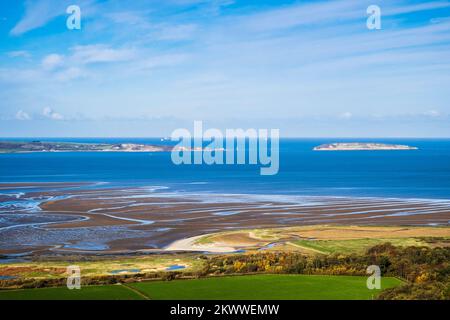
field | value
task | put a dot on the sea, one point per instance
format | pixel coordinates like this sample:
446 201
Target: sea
422 173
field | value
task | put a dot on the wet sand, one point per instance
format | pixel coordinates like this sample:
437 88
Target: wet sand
101 220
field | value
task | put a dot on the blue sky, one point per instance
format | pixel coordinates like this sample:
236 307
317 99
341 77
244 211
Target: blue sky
145 68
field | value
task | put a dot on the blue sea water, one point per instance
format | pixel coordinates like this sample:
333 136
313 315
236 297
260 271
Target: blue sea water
423 173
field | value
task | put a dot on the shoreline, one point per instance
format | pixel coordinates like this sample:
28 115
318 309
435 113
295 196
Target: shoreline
189 244
5 185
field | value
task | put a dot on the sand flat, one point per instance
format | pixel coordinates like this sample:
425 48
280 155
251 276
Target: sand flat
134 219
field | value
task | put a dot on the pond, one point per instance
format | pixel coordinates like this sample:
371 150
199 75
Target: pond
125 271
175 267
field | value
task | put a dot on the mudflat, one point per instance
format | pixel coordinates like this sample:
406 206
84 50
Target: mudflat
82 218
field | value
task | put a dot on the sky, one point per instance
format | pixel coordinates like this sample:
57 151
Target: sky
144 68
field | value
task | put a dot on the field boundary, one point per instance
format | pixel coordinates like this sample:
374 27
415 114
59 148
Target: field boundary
306 248
135 290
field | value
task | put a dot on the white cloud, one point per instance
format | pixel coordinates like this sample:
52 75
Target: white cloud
417 7
432 113
135 18
346 115
195 2
64 68
167 60
50 114
301 14
69 74
100 53
22 115
52 61
73 65
177 32
37 14
40 12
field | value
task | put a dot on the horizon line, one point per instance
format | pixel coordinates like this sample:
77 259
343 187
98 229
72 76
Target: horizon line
168 137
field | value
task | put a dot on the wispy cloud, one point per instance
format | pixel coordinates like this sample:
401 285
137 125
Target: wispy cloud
214 59
301 14
37 14
22 115
432 5
69 74
100 54
40 12
49 113
52 61
175 32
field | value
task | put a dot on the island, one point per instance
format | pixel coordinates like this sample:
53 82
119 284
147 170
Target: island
40 146
364 146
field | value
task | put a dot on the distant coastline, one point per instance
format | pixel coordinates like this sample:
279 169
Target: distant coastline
39 146
45 146
361 146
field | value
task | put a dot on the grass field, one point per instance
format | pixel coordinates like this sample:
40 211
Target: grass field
111 292
258 287
323 239
353 246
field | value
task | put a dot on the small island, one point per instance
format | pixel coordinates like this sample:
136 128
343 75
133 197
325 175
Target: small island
46 146
361 146
39 146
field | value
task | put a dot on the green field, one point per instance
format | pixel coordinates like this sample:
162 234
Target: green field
354 245
258 287
111 292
